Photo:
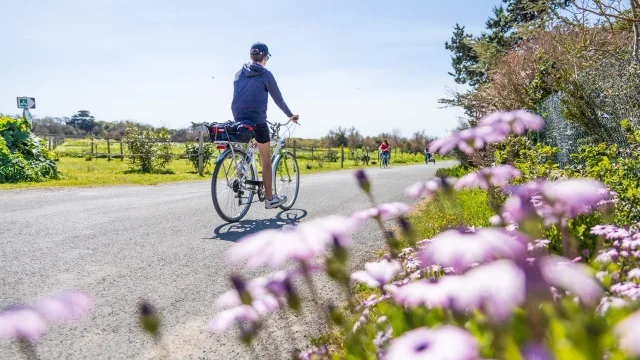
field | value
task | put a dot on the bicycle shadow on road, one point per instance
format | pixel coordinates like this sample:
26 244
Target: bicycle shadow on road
234 231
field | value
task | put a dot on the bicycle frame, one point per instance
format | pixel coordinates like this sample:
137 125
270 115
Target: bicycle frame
278 144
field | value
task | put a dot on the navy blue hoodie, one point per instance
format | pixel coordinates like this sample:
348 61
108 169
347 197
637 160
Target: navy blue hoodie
250 88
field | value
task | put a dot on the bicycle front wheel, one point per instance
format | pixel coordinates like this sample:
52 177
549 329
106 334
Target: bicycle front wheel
287 179
230 196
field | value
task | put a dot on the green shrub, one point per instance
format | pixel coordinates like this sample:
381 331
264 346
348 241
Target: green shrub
192 150
23 156
150 150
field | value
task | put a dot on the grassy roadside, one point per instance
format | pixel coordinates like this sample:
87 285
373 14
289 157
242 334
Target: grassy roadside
100 172
428 218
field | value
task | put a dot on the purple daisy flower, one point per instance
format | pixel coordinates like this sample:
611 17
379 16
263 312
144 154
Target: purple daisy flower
445 342
497 288
574 277
384 211
535 352
425 293
603 229
299 243
609 302
224 320
377 274
460 250
628 332
64 306
22 324
493 176
516 121
634 273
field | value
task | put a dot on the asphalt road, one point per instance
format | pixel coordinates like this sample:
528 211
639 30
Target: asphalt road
166 244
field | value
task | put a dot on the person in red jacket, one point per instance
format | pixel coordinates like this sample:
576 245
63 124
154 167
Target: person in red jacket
384 150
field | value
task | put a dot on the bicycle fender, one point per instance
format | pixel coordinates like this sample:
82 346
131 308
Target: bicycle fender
274 161
222 155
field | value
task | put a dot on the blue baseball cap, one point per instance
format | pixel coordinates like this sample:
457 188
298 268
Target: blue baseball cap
259 49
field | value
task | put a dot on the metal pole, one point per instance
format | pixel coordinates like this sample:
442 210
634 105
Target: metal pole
201 153
121 153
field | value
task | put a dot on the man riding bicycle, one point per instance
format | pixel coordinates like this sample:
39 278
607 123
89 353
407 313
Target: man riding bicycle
251 87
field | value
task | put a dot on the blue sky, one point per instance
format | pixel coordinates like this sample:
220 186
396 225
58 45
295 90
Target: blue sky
373 64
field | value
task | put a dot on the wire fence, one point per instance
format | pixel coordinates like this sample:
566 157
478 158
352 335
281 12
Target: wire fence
310 156
597 101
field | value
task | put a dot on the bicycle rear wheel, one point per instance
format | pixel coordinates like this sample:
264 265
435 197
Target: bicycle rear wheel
230 197
287 179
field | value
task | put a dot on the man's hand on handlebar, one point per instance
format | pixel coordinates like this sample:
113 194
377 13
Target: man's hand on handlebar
295 118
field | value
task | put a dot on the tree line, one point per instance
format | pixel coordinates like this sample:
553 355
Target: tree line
83 123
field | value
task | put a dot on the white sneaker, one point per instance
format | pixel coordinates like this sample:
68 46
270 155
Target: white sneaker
275 202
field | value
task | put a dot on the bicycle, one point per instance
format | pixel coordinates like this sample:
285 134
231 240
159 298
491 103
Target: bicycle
235 174
429 159
384 160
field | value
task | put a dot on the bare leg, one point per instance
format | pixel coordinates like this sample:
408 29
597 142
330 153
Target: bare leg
265 158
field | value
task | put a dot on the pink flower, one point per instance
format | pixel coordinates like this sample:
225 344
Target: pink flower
377 274
494 176
610 302
445 342
468 140
535 352
618 234
574 196
22 324
423 292
634 273
30 323
422 189
628 332
384 211
266 293
603 229
553 200
574 277
497 287
460 250
516 121
300 243
64 306
308 355
224 320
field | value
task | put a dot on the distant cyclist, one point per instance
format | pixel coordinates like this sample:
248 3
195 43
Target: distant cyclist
427 155
384 150
250 88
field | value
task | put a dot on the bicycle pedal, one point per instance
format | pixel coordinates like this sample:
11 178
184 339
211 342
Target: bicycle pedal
253 182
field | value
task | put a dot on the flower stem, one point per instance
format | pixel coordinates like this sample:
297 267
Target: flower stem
28 349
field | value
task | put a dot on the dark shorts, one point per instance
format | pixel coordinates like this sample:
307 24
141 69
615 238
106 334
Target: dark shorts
262 133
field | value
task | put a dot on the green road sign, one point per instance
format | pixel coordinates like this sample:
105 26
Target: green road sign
26 102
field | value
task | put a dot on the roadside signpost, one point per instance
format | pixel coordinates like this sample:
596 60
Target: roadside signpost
25 103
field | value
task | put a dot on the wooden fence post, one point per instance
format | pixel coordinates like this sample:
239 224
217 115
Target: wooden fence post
121 153
92 148
201 153
108 150
311 152
294 147
342 156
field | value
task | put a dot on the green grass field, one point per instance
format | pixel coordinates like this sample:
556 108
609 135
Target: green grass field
76 171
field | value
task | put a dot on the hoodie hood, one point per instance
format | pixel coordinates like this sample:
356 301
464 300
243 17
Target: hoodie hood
253 69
